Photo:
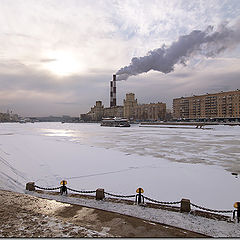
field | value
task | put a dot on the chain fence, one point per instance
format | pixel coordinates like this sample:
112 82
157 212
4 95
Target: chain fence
144 197
120 196
43 188
212 210
82 191
159 202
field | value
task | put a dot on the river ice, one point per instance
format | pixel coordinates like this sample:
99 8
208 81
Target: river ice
168 163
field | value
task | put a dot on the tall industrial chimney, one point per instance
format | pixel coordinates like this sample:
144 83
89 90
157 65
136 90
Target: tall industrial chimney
111 93
113 99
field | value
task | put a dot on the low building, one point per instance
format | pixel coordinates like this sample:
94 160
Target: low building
217 106
9 117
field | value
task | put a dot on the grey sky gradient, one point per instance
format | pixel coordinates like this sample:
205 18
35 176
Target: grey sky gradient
57 57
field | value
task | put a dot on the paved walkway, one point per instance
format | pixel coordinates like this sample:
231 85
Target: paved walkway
28 216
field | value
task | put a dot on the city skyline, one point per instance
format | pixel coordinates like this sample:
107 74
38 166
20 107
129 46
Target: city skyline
57 57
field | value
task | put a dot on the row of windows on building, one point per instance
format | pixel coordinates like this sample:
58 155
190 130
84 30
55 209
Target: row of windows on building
218 105
223 105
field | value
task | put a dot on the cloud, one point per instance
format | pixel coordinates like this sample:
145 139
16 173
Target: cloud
101 36
46 60
208 43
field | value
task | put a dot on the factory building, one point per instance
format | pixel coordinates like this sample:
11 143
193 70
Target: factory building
116 111
150 112
130 109
217 106
129 106
143 112
96 112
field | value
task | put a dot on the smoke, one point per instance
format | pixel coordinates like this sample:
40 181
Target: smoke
208 43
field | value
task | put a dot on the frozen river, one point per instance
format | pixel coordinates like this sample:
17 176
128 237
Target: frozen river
168 163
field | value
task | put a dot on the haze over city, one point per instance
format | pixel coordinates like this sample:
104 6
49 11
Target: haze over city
57 57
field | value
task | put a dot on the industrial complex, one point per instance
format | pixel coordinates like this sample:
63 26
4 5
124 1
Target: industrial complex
130 108
222 106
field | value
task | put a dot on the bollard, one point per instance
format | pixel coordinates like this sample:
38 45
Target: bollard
30 186
237 205
63 188
238 211
185 205
139 196
100 194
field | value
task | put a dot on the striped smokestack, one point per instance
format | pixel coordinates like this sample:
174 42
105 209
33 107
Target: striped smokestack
113 100
111 93
114 91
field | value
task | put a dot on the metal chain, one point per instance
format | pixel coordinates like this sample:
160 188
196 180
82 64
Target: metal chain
47 188
73 190
121 196
147 198
211 210
152 200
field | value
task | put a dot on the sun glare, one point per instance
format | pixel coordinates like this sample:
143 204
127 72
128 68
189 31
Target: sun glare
63 64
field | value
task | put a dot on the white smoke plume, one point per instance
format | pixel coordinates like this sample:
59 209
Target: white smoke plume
208 43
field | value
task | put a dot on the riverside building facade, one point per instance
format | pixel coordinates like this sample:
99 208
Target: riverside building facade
222 106
130 110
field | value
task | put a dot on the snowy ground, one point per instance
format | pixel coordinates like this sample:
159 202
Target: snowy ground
168 163
28 217
186 221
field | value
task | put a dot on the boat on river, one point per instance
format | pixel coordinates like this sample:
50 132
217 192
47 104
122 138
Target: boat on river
115 122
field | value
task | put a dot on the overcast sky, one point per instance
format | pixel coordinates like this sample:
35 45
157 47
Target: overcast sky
58 56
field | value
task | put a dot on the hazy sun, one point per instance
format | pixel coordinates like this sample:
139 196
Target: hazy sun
63 64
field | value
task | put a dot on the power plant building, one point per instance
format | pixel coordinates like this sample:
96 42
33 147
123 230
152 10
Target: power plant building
218 106
116 111
150 112
130 109
130 104
143 112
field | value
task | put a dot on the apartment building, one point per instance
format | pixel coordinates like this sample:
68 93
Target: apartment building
217 106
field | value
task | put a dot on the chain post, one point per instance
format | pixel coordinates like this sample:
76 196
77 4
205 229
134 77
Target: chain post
100 194
30 186
63 188
139 197
237 205
185 205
